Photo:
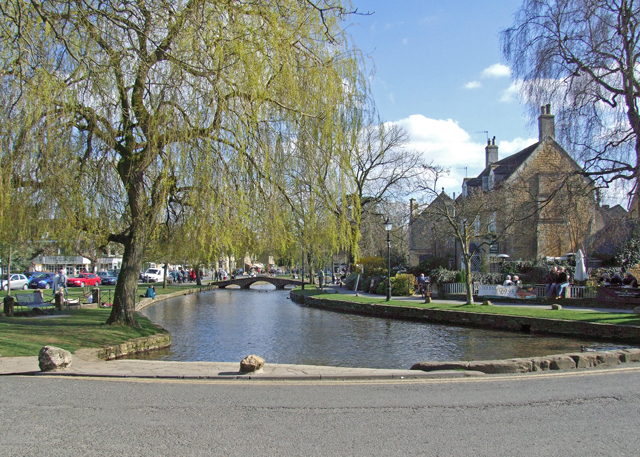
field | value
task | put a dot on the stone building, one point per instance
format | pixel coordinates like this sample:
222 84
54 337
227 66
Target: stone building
544 187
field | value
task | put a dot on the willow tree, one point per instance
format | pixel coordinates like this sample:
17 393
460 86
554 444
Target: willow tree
583 57
139 101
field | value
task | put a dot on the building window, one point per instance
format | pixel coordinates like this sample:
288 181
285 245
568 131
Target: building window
492 223
477 225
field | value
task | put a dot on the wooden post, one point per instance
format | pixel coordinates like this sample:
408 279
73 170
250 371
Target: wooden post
59 300
96 296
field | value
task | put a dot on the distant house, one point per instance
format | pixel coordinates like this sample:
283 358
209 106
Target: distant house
542 176
430 238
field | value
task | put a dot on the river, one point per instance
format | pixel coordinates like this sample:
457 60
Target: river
227 325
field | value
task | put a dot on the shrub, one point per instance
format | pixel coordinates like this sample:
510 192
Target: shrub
442 275
402 284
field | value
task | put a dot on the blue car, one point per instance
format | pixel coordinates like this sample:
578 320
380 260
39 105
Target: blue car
41 281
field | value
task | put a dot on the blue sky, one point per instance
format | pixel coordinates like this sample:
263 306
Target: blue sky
439 72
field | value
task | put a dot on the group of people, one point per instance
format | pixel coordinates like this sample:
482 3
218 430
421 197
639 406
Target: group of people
558 279
515 281
221 275
60 281
182 276
618 281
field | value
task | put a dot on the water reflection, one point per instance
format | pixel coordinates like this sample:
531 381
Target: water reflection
227 325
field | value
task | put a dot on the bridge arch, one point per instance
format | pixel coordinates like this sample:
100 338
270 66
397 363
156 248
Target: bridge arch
246 283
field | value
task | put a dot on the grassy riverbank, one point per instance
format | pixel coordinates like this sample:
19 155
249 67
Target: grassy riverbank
70 330
572 315
106 292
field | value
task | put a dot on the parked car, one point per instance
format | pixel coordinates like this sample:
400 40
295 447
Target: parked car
109 280
18 281
41 281
84 279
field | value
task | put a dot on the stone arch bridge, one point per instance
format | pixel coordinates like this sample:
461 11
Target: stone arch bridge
245 283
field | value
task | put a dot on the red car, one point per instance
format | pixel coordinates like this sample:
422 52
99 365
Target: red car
84 279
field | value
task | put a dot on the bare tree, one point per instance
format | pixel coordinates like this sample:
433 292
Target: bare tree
582 55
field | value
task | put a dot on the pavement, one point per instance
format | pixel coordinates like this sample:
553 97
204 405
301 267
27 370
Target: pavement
85 363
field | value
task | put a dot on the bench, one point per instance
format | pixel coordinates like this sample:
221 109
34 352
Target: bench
32 303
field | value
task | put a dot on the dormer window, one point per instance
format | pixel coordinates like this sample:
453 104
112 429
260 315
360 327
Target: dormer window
492 180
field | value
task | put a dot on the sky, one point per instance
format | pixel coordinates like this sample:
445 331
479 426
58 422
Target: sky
437 70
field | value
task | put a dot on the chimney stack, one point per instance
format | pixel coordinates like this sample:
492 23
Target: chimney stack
546 124
491 152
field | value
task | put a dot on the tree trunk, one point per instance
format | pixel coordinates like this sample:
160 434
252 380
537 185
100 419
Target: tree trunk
468 280
199 278
124 300
164 276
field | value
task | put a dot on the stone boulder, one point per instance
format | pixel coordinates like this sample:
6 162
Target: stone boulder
556 307
53 358
251 363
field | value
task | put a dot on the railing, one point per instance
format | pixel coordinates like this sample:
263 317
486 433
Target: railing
582 292
460 288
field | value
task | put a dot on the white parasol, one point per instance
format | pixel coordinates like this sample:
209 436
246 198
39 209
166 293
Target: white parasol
581 268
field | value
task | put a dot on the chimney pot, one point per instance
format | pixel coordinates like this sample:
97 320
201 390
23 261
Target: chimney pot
546 124
491 152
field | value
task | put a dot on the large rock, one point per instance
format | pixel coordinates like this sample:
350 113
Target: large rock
251 363
53 358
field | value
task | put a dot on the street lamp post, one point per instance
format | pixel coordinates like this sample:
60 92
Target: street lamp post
388 226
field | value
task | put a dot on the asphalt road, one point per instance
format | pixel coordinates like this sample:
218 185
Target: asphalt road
589 413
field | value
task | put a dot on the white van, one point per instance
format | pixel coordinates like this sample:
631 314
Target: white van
154 275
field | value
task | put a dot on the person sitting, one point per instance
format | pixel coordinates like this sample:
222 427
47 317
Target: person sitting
616 281
508 281
605 280
563 282
551 282
630 280
516 281
150 293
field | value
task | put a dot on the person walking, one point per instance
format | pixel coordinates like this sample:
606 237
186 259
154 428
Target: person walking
62 282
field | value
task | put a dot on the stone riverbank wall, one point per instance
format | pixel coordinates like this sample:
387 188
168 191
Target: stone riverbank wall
596 331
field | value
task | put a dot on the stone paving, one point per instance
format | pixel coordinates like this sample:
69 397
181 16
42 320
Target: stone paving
84 363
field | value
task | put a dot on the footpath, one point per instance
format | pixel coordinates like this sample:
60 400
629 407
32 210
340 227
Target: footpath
85 363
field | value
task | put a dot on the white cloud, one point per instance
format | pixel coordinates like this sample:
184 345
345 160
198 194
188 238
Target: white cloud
497 70
510 94
506 148
446 144
473 85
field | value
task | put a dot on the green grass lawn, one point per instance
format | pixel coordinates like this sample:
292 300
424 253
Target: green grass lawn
106 292
83 328
573 315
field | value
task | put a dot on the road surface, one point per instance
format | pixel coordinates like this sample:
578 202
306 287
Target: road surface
588 413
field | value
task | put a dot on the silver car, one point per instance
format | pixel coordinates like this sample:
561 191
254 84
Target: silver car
18 281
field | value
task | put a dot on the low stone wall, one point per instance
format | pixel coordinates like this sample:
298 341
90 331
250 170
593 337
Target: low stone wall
144 344
143 303
608 332
526 365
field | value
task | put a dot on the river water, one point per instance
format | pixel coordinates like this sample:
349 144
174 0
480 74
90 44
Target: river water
227 325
